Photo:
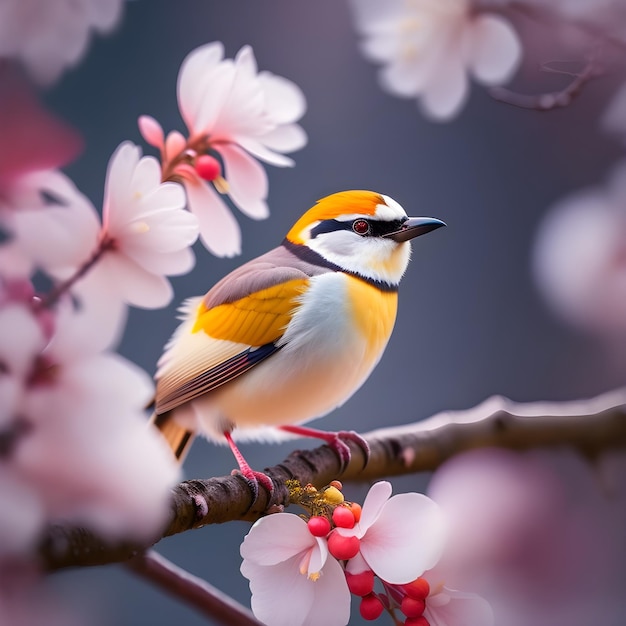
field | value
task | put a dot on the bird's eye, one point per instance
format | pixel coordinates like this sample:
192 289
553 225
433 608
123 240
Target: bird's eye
361 227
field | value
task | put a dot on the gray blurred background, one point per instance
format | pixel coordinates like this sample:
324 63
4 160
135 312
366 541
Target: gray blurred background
471 323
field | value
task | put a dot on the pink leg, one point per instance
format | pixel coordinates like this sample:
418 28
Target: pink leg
253 478
335 440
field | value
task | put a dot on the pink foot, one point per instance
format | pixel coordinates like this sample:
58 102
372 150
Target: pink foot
335 440
252 477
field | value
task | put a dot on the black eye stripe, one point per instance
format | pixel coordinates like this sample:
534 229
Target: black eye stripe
377 228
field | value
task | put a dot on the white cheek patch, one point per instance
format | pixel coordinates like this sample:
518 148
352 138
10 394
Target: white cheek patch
339 243
366 256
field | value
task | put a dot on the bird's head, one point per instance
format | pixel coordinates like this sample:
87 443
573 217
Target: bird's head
362 232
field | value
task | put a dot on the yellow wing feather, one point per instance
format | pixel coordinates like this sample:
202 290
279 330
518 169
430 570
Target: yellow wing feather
258 319
212 346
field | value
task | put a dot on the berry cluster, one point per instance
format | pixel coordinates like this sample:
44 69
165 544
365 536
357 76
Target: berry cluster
332 515
410 598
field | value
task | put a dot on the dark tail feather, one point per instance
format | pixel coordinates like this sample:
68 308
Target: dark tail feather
178 437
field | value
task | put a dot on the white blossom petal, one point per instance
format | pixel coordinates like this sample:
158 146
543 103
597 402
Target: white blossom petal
136 285
588 290
118 184
247 182
375 500
219 230
282 596
47 36
495 51
286 138
283 98
196 77
446 93
276 538
260 151
450 607
406 539
100 316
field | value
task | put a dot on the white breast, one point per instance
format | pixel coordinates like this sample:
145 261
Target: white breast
323 361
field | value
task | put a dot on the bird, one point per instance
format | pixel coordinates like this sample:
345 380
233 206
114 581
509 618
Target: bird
290 335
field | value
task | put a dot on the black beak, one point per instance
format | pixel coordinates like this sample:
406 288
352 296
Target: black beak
414 227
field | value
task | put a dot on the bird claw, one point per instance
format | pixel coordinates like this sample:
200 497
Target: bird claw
336 441
339 445
253 480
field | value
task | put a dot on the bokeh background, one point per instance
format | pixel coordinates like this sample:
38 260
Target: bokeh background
471 321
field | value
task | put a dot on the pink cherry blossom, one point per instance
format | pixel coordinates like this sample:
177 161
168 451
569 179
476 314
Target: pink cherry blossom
280 553
427 49
238 114
586 288
49 35
400 536
72 423
146 235
539 534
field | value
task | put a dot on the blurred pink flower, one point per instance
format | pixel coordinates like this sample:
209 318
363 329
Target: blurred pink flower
428 47
54 225
539 535
72 422
239 115
400 537
47 36
145 236
32 138
280 553
580 256
449 607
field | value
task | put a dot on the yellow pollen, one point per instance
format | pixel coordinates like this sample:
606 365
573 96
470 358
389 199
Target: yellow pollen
221 184
140 227
314 576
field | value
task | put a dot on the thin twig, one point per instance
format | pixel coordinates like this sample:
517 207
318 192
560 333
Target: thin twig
554 99
190 589
591 427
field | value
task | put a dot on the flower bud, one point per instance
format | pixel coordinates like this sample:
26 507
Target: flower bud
207 167
332 495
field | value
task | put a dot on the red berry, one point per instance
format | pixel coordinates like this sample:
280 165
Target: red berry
416 621
343 548
371 607
412 607
418 589
343 517
318 526
360 584
207 167
355 507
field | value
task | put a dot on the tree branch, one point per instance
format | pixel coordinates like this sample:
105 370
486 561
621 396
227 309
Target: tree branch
190 589
590 426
